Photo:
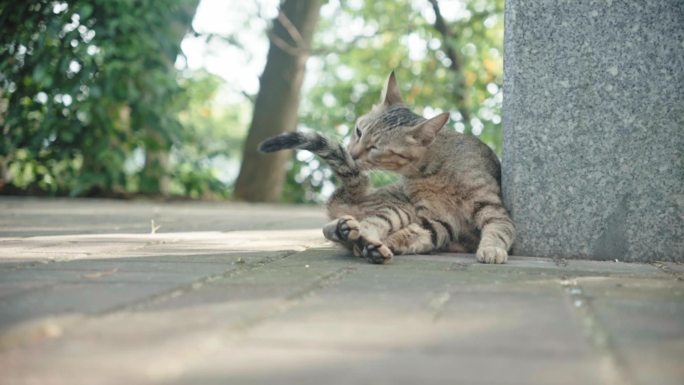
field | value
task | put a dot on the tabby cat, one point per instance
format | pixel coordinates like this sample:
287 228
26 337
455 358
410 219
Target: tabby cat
449 197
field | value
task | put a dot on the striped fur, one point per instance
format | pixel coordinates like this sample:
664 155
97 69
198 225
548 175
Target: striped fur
353 182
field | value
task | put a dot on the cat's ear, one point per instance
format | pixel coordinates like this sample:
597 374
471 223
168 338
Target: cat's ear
391 94
424 133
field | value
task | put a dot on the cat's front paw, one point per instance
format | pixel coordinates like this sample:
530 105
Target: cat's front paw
377 253
348 229
491 254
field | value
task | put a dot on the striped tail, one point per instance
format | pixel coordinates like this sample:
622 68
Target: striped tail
334 154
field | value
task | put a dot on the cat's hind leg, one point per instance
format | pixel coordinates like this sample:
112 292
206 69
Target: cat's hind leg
363 237
373 229
376 252
412 239
343 229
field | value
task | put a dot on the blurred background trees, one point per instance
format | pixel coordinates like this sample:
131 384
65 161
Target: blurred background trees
120 98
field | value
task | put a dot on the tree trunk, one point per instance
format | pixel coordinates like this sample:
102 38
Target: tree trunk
275 109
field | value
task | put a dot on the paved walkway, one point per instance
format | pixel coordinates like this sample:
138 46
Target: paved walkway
112 292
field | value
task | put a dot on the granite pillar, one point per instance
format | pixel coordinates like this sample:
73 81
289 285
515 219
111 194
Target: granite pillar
593 163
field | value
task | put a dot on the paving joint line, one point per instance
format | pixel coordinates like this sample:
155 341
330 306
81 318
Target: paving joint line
242 268
596 332
660 265
457 266
294 299
560 261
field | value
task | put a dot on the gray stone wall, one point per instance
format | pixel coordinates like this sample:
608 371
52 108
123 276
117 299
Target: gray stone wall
594 128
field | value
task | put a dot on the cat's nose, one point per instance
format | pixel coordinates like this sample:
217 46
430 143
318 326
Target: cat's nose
354 152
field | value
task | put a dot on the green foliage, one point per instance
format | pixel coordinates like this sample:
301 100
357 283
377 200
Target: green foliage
87 85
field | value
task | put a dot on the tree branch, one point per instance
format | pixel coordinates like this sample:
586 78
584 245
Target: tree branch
285 46
455 65
299 47
441 27
291 29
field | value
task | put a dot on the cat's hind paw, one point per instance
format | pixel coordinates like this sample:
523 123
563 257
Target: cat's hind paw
377 253
343 229
491 254
348 228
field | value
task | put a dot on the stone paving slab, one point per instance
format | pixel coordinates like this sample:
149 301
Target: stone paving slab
218 295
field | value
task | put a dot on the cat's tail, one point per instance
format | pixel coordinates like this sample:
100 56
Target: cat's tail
334 154
300 140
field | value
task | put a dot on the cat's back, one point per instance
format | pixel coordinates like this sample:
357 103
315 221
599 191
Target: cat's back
467 153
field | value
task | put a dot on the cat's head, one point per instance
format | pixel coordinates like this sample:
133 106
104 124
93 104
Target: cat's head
391 137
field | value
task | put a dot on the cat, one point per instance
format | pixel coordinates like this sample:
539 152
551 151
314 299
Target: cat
449 192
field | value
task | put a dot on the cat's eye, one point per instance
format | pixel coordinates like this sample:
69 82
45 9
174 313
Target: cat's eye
358 131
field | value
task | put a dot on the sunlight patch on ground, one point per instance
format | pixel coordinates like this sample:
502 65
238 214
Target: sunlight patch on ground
69 247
